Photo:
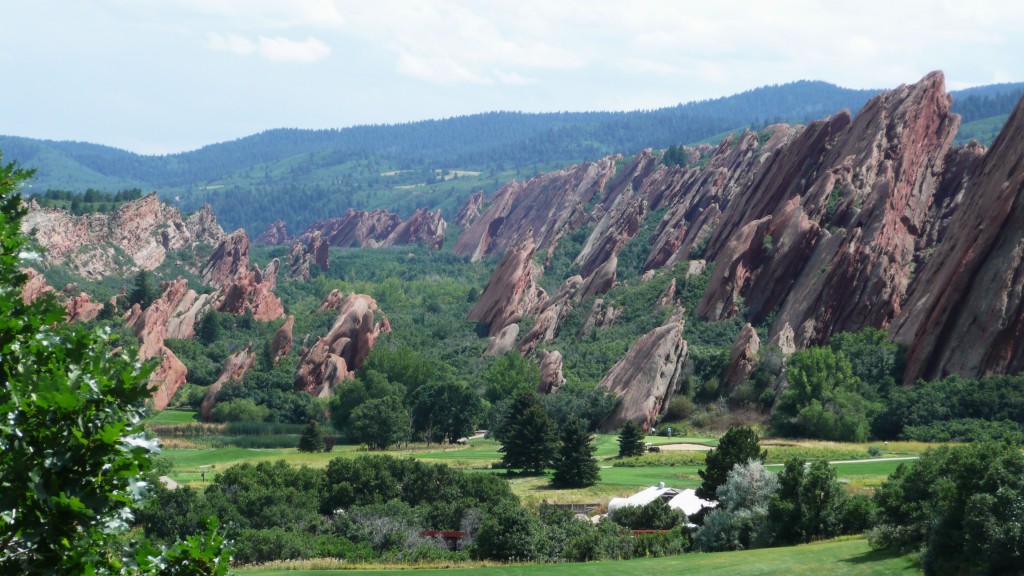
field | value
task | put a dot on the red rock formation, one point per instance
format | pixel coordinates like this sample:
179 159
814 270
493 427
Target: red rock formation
168 378
512 290
964 314
275 234
303 256
599 316
82 308
551 378
343 350
332 301
281 344
423 227
503 341
470 210
252 291
235 367
230 257
742 358
35 286
646 376
668 296
545 208
137 235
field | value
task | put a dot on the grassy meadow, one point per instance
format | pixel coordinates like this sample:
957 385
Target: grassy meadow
843 557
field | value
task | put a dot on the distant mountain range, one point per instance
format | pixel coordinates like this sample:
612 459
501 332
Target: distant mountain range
303 175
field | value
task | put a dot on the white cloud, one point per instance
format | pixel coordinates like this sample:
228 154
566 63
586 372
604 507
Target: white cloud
278 49
232 43
275 49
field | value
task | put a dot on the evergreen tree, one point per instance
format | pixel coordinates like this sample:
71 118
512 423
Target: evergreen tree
143 293
529 441
631 440
312 440
737 446
575 465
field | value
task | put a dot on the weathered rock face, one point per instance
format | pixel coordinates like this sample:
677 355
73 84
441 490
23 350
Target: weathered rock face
423 227
512 290
646 376
964 312
150 327
742 358
235 367
826 231
337 355
79 307
470 210
35 286
544 208
599 316
252 291
168 378
276 234
137 235
303 256
230 257
503 341
357 228
551 378
242 289
281 343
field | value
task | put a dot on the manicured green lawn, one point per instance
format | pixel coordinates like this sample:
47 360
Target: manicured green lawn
173 417
835 558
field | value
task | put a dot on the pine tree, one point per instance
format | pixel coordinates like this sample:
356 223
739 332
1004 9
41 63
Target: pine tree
530 438
575 465
739 445
631 440
312 440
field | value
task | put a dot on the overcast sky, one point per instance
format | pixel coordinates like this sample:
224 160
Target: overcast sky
159 76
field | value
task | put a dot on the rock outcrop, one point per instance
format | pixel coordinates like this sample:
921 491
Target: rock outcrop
743 358
503 341
551 377
545 208
138 235
275 234
380 228
281 343
646 376
337 355
235 367
964 313
230 256
512 290
303 256
78 305
470 210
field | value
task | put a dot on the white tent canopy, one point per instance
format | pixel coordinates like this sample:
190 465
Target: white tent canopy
685 500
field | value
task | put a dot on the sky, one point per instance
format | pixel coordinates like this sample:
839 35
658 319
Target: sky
163 76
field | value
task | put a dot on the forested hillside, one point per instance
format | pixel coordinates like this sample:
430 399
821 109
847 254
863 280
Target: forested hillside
300 176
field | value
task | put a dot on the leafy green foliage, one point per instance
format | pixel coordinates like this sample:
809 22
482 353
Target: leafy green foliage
953 408
741 520
655 515
574 463
631 440
71 437
445 411
962 505
810 503
510 534
380 423
824 398
738 445
508 375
